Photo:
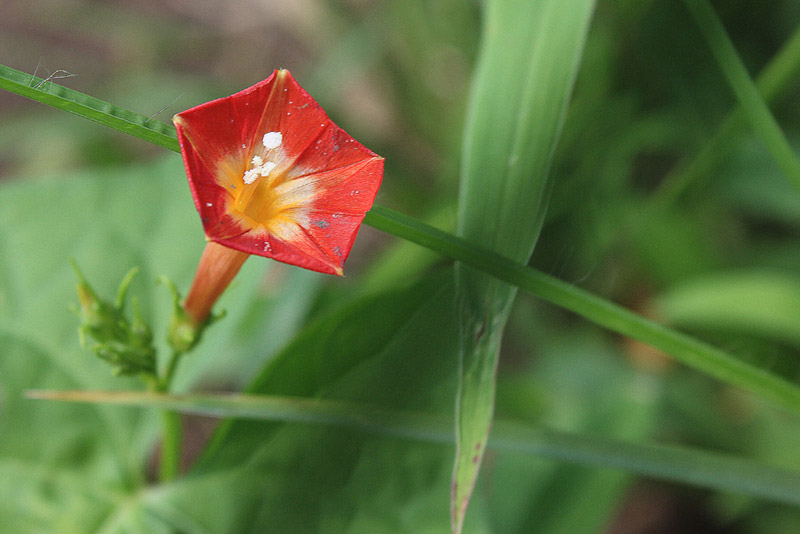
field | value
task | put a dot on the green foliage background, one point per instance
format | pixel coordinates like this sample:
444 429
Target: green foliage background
663 199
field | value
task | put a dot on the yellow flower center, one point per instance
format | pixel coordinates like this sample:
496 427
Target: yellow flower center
265 196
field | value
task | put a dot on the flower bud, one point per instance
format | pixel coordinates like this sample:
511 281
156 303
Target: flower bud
126 345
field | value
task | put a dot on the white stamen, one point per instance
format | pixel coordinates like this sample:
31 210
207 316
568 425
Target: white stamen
266 168
272 139
250 176
260 168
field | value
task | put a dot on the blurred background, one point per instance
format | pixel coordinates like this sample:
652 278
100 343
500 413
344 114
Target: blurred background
395 73
660 202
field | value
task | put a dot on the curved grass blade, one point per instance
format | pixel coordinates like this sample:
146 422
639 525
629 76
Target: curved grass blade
58 96
722 472
772 84
752 104
690 351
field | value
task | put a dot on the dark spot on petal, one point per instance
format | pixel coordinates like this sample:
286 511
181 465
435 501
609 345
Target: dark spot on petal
321 224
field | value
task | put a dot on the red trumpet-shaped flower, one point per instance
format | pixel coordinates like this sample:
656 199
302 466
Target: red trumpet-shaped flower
272 175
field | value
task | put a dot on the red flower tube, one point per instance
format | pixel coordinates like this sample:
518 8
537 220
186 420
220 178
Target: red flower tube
272 175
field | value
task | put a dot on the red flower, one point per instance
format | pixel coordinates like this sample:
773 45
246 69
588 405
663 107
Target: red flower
272 175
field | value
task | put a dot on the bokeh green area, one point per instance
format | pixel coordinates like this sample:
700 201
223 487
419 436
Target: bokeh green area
711 249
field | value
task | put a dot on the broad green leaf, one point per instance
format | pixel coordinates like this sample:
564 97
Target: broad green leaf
330 348
395 351
527 64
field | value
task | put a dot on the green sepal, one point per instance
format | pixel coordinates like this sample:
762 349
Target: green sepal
184 332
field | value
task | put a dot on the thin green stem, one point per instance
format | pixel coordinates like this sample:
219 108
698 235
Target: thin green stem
753 106
171 426
171 445
166 380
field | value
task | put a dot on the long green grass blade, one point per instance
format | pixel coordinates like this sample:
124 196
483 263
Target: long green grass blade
678 464
754 107
772 83
694 353
690 351
527 64
60 97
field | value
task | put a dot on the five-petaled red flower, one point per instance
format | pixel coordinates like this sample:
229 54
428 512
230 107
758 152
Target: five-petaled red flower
272 175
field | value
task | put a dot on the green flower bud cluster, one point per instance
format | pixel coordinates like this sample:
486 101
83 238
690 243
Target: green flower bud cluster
125 344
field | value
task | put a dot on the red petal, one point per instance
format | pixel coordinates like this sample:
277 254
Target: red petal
224 128
303 252
331 149
291 111
351 189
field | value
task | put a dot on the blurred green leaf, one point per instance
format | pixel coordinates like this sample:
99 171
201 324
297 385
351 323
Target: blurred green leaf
597 394
759 303
772 84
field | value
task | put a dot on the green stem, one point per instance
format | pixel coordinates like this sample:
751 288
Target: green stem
58 96
676 463
166 380
171 445
172 428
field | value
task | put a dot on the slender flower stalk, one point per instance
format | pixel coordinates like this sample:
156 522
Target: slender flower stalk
218 265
